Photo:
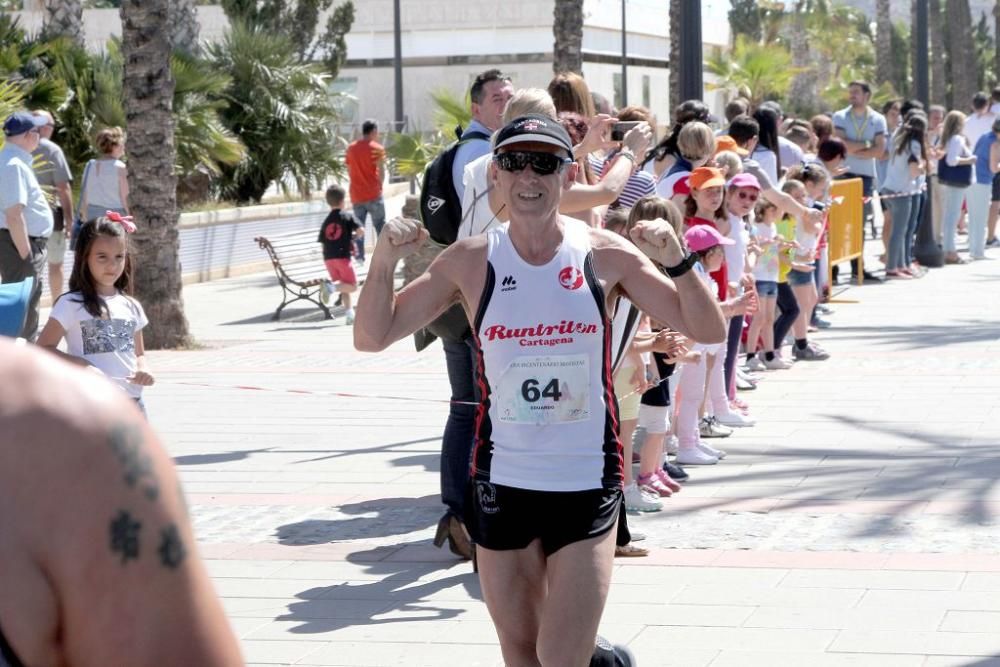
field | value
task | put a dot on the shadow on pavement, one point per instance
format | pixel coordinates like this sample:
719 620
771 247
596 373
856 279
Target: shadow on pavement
923 336
399 583
222 457
392 516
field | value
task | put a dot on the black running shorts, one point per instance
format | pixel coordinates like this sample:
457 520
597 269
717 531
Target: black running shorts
504 518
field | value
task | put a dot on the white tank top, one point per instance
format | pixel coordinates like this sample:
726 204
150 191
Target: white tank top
548 420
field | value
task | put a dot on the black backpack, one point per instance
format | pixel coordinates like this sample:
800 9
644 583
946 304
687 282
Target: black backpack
440 209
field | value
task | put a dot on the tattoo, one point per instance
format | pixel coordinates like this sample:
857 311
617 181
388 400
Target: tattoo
126 442
125 536
172 551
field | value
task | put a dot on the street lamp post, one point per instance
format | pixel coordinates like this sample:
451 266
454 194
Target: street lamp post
690 51
398 65
926 249
624 60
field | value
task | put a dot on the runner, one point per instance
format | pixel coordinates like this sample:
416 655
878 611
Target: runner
547 464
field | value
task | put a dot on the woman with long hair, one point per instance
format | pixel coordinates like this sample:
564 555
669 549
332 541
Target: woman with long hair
905 164
954 178
766 152
662 156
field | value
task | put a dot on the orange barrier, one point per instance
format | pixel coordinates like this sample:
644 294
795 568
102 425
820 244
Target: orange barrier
846 239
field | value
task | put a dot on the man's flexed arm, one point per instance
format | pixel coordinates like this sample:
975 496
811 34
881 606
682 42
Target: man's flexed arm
383 317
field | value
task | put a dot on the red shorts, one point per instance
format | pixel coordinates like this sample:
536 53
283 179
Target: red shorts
341 270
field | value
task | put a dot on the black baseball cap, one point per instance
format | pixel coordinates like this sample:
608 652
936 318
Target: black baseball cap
534 127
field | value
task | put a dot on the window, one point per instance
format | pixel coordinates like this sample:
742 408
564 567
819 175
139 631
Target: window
645 90
616 79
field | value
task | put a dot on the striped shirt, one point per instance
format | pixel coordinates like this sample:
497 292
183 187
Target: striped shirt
639 185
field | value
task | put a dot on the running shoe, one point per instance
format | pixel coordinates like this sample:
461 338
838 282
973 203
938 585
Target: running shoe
349 316
667 481
743 384
993 243
776 364
712 451
820 323
325 288
694 456
734 418
652 485
675 471
638 500
811 352
623 657
711 428
671 446
755 364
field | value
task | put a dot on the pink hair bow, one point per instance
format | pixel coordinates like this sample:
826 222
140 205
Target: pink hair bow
123 220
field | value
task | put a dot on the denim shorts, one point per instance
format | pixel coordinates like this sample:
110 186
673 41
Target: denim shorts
797 278
767 288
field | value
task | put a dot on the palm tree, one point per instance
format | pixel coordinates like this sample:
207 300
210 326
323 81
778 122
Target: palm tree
996 36
803 96
184 27
675 54
148 93
961 56
764 69
64 18
567 29
884 70
939 83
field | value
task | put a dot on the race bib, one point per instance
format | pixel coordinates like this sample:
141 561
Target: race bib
545 390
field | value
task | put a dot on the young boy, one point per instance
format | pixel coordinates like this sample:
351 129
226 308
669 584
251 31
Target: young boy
337 235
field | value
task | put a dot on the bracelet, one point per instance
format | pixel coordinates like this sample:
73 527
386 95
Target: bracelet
630 156
686 265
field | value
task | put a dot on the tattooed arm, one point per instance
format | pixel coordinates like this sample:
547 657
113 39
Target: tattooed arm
100 566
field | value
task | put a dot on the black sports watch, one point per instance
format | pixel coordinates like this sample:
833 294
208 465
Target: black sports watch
686 264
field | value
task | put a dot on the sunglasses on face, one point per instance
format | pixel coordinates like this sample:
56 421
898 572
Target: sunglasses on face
751 196
542 164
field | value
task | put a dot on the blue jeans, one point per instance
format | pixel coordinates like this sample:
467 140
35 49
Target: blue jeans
459 431
902 213
951 211
979 210
376 209
916 219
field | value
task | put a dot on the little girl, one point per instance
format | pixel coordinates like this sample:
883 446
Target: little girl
765 273
98 317
800 185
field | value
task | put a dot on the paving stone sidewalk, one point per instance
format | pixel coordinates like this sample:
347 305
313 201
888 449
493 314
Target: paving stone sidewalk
855 525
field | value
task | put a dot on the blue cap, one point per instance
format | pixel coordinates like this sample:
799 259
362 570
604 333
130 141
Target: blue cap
20 122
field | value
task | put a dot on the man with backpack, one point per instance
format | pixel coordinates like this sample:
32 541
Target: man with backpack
441 210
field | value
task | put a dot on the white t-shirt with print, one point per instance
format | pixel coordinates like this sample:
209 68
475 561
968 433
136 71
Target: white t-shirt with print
107 343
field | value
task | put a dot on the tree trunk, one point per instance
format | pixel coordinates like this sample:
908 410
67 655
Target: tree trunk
148 95
64 18
803 95
996 39
675 55
883 43
962 58
939 82
567 29
184 26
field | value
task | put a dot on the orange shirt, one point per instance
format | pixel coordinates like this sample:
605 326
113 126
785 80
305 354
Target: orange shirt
363 157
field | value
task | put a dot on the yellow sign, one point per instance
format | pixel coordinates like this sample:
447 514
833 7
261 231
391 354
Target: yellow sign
846 224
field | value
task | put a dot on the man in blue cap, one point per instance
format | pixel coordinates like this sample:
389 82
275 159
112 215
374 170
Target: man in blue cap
25 216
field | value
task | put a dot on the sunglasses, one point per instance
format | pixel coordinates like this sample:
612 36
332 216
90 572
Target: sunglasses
752 196
542 164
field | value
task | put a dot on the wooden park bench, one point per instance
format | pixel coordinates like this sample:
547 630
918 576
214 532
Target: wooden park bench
298 262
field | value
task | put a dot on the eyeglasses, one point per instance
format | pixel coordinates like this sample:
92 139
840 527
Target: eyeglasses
752 196
542 164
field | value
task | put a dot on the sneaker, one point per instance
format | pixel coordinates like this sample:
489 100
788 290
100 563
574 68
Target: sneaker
694 456
735 419
636 535
325 289
755 364
671 446
675 471
776 364
712 451
743 384
820 323
667 480
622 656
638 500
711 428
652 485
824 309
812 352
349 316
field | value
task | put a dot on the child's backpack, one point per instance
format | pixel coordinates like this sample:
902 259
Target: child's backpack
440 207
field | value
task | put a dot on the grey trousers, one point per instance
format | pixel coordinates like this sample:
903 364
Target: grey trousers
13 269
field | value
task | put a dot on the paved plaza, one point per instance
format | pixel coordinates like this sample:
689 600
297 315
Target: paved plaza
857 524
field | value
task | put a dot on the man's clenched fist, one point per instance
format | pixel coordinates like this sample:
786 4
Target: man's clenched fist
401 237
658 241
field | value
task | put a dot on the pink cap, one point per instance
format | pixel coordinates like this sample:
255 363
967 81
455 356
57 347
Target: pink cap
703 237
744 180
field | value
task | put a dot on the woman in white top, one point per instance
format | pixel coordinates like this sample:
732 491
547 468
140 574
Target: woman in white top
105 186
954 177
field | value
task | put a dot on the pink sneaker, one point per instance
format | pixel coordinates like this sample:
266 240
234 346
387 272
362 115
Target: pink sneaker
654 485
667 480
